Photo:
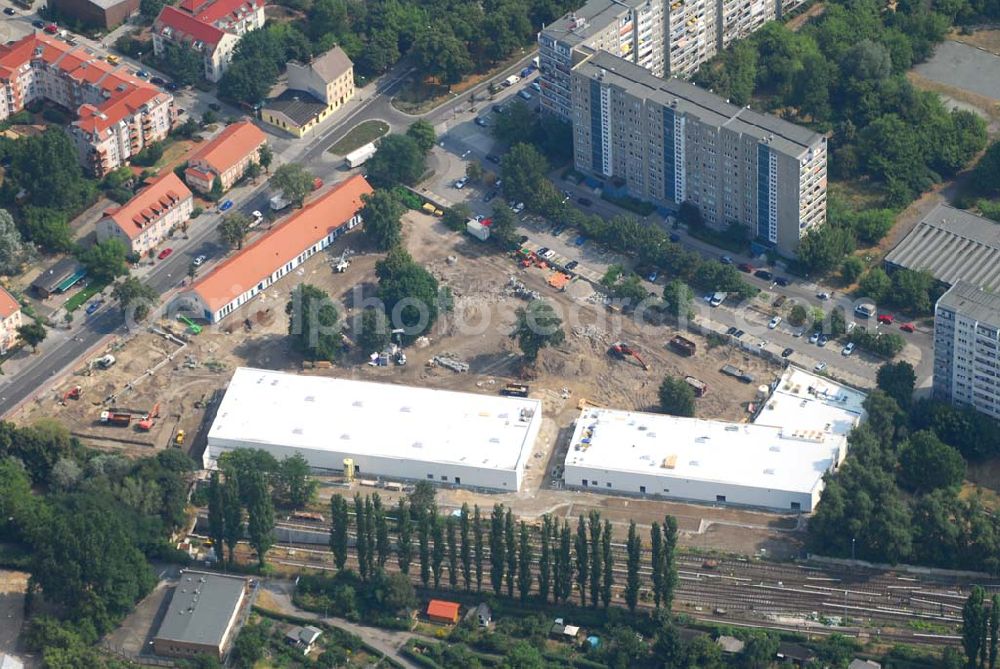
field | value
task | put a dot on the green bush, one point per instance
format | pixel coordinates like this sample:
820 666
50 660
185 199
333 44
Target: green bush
148 156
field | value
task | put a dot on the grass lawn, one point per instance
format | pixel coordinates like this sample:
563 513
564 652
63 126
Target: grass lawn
359 135
75 302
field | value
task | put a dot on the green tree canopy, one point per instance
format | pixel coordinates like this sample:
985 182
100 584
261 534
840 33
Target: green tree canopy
927 463
105 260
134 296
423 134
32 334
897 380
314 323
410 293
293 181
399 160
381 214
537 327
676 397
234 228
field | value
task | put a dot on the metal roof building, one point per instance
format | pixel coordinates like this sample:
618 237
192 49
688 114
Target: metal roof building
952 245
202 615
777 462
392 431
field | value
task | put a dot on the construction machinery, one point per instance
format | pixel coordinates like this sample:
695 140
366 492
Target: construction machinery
179 439
147 422
116 418
341 264
621 350
515 390
72 394
192 326
697 385
106 361
682 345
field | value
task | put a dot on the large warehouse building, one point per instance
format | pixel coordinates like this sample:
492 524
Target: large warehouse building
390 431
776 462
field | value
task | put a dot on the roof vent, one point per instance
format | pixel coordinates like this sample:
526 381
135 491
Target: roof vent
310 398
418 444
769 472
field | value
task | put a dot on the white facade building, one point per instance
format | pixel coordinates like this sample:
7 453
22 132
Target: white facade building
776 462
390 431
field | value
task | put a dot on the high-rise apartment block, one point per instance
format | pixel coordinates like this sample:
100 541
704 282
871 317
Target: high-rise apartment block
667 141
118 113
967 348
668 38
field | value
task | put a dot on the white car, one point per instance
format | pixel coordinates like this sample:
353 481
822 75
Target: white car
849 349
717 299
460 183
549 255
197 262
774 322
820 366
518 208
256 214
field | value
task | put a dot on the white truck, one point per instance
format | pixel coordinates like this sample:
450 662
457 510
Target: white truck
359 156
477 229
511 80
278 202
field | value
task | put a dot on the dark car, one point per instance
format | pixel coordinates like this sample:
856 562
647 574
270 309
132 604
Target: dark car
497 109
8 11
171 86
731 330
542 251
37 24
215 106
674 237
571 265
787 352
522 239
558 230
489 196
585 201
493 158
745 267
763 274
739 333
159 81
781 281
481 122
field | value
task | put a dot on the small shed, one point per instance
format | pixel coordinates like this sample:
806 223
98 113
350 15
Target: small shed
795 653
560 630
303 638
729 644
484 616
443 612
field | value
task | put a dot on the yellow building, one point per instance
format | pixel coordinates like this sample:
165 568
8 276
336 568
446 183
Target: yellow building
315 90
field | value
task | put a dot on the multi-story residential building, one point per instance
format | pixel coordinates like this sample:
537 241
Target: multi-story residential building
668 141
119 114
99 13
667 37
226 157
10 320
631 29
315 90
967 348
145 220
212 28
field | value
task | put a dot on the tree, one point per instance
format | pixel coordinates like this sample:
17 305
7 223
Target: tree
232 515
758 651
452 539
608 563
374 334
474 171
456 216
135 297
437 554
596 553
523 169
410 293
875 285
497 547
234 228
339 521
510 549
265 156
360 541
216 191
634 550
927 463
369 535
314 324
564 569
974 623
897 380
477 533
503 232
47 168
382 547
150 9
537 327
260 517
292 483
515 125
105 260
657 563
32 334
466 548
911 290
13 251
676 397
293 182
994 630
441 55
669 561
823 248
678 296
582 562
216 517
404 537
423 134
399 160
524 562
422 499
851 269
545 560
381 214
986 175
424 539
183 64
394 592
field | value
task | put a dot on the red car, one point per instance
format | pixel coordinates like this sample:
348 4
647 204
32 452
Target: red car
907 327
746 267
52 29
164 253
885 319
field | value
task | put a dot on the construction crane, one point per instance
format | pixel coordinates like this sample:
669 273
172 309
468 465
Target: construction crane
622 350
146 424
342 263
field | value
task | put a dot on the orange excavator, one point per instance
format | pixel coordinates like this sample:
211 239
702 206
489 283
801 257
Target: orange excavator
622 350
147 422
72 394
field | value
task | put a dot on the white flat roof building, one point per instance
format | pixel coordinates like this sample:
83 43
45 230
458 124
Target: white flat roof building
778 461
392 431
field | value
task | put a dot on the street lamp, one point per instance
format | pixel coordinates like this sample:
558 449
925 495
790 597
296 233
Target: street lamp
853 539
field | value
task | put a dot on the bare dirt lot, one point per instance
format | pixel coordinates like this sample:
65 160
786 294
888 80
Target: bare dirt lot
13 585
182 374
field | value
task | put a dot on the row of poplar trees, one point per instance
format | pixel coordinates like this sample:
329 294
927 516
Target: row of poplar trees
981 630
545 560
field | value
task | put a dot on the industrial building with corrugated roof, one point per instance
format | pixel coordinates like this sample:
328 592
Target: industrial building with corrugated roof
777 461
202 616
952 245
386 430
276 253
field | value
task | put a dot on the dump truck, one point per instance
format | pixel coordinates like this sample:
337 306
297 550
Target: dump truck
116 418
699 386
682 345
359 156
515 390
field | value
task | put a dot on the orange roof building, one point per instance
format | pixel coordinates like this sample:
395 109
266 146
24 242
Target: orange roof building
212 28
10 320
443 612
226 157
118 113
277 253
146 220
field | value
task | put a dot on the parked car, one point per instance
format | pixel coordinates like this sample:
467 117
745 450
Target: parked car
781 281
52 29
726 260
542 251
226 205
787 352
774 323
885 319
164 253
159 81
820 366
763 274
199 261
823 296
8 11
559 229
497 109
94 306
489 196
460 183
493 158
37 24
849 349
907 327
814 338
731 330
549 255
524 94
745 267
580 240
142 74
537 87
572 265
652 276
739 333
518 208
522 239
675 238
584 201
481 122
823 339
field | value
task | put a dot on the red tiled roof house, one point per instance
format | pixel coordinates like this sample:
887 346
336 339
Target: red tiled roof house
443 612
211 28
145 220
276 253
226 157
10 320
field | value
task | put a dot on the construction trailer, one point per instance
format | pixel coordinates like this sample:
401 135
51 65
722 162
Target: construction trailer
683 345
699 387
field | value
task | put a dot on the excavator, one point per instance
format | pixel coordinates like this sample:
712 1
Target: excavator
146 424
621 350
